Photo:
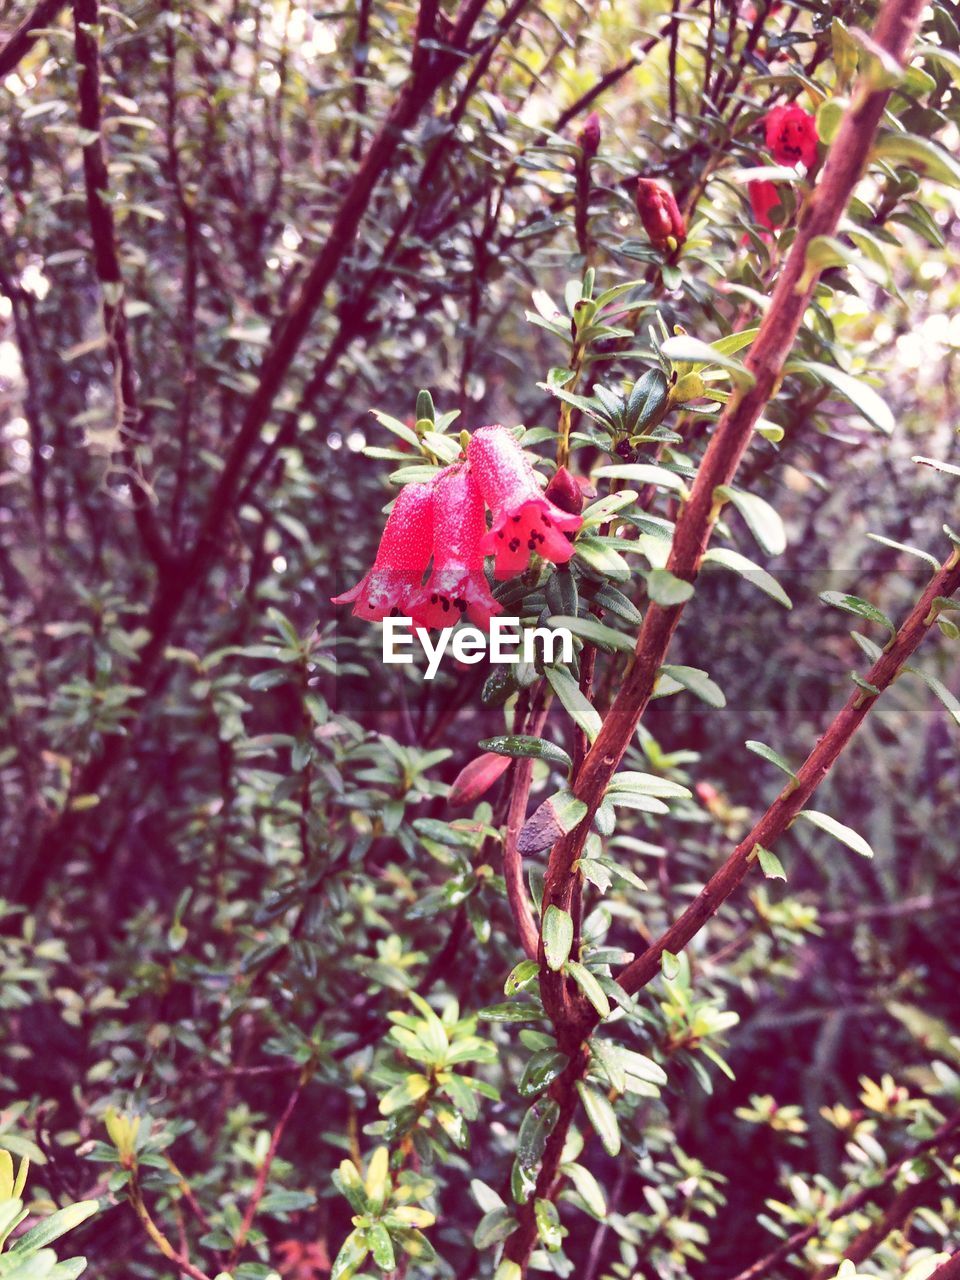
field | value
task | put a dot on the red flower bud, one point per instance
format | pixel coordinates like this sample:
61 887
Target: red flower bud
476 778
589 136
457 584
564 491
402 556
524 519
792 135
660 215
764 198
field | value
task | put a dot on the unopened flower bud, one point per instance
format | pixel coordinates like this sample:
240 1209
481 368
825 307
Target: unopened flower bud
660 215
589 136
564 492
476 778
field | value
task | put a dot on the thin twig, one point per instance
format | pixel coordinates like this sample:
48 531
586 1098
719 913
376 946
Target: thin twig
864 1196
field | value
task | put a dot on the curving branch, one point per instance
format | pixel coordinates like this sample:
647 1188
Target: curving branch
798 791
844 165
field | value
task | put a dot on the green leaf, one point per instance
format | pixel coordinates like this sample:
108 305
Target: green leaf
590 987
521 745
519 976
666 590
697 682
535 1128
860 394
548 1224
768 753
404 1094
352 1252
940 690
381 1246
602 1116
770 864
52 1228
919 155
684 349
643 473
903 546
587 1188
541 1070
574 702
557 815
853 604
648 784
348 1182
760 518
610 1065
727 558
557 933
494 1227
511 1013
508 1270
594 632
838 830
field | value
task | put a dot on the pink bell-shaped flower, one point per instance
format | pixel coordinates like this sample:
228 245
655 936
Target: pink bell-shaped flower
524 519
457 584
402 557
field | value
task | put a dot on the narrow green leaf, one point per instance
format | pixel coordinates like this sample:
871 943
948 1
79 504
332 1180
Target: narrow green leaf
557 932
869 403
520 745
594 632
53 1227
602 1116
587 1188
760 518
643 473
519 976
920 156
494 1227
940 690
768 753
381 1246
727 558
854 604
548 1224
541 1070
697 682
590 987
583 713
838 830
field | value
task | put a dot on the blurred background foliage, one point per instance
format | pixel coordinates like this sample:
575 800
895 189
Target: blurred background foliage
224 851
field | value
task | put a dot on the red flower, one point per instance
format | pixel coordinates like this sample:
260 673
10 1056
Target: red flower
524 519
792 135
457 584
589 135
764 198
402 556
660 214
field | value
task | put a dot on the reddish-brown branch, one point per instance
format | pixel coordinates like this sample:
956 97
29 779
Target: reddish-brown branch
263 1174
819 217
519 778
949 1270
795 795
23 39
86 17
770 1264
